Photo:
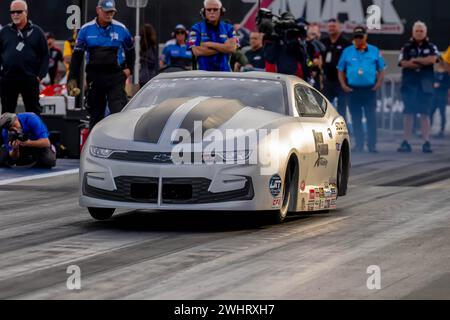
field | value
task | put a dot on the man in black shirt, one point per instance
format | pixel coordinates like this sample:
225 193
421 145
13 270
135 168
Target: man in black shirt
315 49
255 55
56 56
335 44
109 62
417 59
24 60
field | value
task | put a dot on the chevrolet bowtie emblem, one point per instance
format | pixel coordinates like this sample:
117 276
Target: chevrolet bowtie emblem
163 157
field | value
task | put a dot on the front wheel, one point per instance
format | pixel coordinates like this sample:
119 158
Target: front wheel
101 214
289 194
342 176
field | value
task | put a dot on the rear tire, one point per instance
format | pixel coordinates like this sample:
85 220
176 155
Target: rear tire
101 214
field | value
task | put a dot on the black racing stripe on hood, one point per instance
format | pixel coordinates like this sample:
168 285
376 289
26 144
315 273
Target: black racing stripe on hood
213 113
151 125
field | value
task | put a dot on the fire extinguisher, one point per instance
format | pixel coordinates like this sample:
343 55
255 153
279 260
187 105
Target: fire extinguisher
84 134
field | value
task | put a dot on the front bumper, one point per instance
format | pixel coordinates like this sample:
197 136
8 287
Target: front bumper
108 183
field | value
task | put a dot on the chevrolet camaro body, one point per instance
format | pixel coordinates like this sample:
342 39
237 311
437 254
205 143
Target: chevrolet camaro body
219 141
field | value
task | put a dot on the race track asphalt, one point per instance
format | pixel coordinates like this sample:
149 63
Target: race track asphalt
396 217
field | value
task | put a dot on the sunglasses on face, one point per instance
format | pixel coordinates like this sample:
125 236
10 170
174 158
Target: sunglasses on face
212 9
12 12
358 37
180 32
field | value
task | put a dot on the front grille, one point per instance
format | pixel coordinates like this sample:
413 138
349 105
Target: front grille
199 192
129 189
174 191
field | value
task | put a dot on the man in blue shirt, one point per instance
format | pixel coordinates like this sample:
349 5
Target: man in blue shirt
177 54
213 41
361 75
26 141
110 61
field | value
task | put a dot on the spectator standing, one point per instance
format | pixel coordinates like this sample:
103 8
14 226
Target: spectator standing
213 41
440 96
255 55
335 44
446 59
417 58
109 64
315 49
148 55
286 52
361 74
69 46
177 54
24 59
56 56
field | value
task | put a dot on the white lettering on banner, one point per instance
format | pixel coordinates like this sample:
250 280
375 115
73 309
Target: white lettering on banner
354 10
332 8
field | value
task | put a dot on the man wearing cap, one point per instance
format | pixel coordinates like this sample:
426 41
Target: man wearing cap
417 58
110 61
213 41
24 60
26 141
177 54
361 75
335 44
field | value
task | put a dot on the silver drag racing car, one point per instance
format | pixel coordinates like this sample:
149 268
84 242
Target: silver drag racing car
218 142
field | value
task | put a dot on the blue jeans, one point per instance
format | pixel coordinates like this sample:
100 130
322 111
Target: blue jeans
364 99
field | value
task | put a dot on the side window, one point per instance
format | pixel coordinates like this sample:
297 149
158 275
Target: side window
320 100
309 102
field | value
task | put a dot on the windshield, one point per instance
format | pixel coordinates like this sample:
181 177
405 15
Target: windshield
262 94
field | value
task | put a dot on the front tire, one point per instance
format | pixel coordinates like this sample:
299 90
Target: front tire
289 194
101 214
342 176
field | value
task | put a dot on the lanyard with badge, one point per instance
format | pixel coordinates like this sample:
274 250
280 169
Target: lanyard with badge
21 44
329 56
360 59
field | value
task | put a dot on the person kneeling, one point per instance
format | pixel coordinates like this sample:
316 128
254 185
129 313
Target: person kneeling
25 142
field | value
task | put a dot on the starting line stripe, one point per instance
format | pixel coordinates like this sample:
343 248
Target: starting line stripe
39 176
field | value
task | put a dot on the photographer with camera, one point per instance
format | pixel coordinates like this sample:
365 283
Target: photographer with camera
284 43
26 141
213 41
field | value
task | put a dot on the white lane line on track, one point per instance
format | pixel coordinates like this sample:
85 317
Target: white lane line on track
39 176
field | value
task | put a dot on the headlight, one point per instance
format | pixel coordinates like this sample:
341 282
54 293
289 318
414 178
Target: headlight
101 152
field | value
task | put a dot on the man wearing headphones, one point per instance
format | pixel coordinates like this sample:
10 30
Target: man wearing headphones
213 41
